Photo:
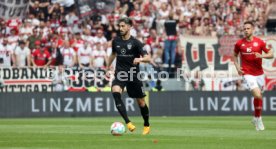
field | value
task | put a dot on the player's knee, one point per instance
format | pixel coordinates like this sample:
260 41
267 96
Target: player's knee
259 96
257 93
116 88
141 102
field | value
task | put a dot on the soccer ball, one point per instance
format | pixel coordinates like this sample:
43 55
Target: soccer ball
117 129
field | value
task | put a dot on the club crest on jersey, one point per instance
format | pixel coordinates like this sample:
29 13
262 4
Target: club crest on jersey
123 51
255 44
129 46
248 50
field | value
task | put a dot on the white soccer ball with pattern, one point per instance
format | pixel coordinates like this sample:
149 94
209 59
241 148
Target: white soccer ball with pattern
117 129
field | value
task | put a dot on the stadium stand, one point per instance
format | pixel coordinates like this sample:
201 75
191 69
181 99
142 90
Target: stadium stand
51 25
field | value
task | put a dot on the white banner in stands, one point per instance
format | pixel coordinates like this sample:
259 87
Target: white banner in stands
26 80
13 8
88 8
39 79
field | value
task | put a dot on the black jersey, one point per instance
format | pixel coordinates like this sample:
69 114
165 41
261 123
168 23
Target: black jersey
127 51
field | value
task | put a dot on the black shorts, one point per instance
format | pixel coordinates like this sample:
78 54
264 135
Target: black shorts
135 89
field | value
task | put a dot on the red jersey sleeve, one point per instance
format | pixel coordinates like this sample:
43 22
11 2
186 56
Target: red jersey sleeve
34 54
263 46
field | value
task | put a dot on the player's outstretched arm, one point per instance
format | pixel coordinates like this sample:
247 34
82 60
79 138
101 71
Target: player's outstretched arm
268 55
145 59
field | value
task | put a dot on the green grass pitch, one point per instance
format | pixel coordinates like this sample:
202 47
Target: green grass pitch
235 132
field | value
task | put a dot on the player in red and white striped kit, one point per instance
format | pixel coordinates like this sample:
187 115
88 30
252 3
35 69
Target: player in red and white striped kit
251 53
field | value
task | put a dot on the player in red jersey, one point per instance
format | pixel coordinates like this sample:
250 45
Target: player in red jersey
251 53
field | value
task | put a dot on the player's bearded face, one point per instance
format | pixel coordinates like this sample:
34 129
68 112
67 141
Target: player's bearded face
124 28
248 30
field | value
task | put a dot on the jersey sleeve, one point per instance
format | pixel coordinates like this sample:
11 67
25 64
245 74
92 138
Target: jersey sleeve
34 53
237 48
141 48
263 46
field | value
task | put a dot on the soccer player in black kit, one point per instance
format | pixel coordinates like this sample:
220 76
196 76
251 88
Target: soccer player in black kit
129 53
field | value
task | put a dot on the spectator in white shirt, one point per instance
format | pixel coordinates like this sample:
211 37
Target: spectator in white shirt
34 20
6 54
99 56
22 55
26 30
85 56
13 38
44 29
69 55
100 38
88 37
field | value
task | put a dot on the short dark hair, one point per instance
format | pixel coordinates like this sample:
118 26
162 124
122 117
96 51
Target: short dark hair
249 22
126 20
21 42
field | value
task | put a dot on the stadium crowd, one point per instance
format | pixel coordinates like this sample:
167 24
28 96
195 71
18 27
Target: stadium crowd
56 29
52 34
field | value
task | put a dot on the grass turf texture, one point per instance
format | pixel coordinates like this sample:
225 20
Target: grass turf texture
166 133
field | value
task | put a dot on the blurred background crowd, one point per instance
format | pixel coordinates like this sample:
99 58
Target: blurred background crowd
53 34
51 25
